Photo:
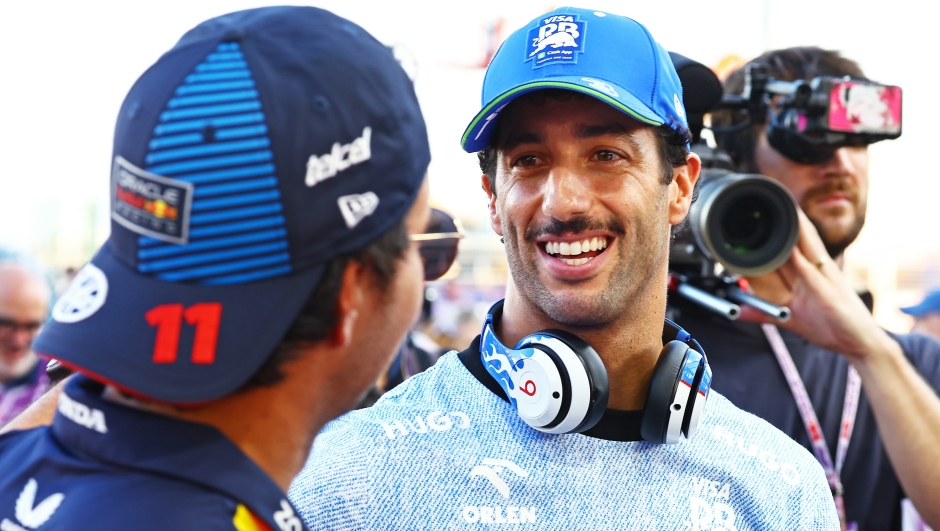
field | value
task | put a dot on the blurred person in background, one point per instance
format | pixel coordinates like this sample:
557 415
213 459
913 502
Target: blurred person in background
24 306
583 151
926 315
878 447
266 255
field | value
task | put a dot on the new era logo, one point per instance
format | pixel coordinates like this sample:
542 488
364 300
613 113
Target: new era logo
357 207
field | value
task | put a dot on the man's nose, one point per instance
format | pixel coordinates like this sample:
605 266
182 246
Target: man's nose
566 194
22 338
841 164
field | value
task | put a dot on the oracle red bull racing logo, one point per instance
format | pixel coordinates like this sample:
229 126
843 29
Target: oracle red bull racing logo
149 204
557 39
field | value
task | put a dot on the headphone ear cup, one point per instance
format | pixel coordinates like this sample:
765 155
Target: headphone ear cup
661 394
584 379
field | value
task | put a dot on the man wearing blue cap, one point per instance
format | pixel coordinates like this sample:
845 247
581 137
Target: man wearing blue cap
268 194
926 315
590 421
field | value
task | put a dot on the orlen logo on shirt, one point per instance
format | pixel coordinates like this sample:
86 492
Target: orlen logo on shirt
435 420
81 414
491 470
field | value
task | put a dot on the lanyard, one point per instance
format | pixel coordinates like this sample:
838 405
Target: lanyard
853 387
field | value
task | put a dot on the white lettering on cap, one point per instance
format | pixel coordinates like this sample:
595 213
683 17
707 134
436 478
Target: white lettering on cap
341 157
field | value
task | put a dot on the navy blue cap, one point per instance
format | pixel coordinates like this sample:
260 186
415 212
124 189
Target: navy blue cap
930 304
264 144
610 57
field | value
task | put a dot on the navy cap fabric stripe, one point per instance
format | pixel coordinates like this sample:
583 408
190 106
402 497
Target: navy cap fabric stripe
223 121
242 239
194 263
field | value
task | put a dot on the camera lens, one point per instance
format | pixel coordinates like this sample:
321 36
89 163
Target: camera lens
747 225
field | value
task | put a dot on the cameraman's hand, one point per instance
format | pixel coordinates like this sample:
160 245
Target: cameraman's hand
825 309
827 312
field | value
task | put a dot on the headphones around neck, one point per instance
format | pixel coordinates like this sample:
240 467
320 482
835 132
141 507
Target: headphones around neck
558 383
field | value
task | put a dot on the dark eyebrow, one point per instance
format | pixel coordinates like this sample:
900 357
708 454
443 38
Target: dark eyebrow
611 129
517 140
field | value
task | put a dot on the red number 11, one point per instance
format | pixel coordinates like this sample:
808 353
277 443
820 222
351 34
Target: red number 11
168 318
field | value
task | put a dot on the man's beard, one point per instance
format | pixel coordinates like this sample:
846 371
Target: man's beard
836 241
629 278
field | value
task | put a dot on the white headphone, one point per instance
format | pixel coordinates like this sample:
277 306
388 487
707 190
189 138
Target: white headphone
558 383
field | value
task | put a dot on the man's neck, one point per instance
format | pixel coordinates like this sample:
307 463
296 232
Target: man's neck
629 347
269 424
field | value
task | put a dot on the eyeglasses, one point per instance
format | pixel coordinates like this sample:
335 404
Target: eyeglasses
9 326
438 246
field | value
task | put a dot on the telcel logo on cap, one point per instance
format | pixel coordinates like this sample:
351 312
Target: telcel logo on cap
341 157
557 39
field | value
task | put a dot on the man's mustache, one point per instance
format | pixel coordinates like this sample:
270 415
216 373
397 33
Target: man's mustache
830 187
557 227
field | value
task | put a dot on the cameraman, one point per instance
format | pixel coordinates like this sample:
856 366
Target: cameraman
891 441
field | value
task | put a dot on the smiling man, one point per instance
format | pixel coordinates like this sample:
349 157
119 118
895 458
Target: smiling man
590 421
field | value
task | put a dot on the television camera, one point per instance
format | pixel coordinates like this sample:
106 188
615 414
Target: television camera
746 225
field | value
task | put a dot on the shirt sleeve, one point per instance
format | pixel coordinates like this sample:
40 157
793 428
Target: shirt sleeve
924 354
333 491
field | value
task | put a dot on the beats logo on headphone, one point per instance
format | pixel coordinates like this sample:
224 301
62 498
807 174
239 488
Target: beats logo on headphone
558 383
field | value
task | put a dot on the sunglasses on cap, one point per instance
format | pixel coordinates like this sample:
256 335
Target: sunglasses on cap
438 245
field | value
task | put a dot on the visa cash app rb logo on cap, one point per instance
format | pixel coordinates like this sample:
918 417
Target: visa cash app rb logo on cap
557 39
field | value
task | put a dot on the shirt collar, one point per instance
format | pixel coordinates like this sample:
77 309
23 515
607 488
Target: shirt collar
104 431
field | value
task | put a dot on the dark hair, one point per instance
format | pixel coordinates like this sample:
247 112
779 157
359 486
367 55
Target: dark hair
318 316
673 144
788 64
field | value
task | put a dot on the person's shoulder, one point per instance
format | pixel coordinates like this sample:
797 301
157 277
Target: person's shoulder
923 352
430 413
786 483
765 447
71 494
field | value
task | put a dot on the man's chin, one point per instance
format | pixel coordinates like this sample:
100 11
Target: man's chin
837 233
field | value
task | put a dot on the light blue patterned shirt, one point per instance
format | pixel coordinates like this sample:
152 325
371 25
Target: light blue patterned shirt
441 451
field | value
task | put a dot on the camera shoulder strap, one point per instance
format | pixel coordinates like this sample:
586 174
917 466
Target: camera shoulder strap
853 387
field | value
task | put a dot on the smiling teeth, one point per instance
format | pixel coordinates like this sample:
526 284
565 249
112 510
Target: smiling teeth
576 261
576 248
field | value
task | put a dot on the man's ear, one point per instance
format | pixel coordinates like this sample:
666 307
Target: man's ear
349 303
683 185
495 222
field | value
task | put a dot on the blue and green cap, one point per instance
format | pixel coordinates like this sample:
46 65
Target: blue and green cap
607 56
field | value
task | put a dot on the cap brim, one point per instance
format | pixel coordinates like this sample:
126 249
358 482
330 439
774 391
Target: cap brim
116 343
917 311
478 134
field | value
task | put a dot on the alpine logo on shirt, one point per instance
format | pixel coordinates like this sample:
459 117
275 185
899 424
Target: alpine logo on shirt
495 471
557 39
28 513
